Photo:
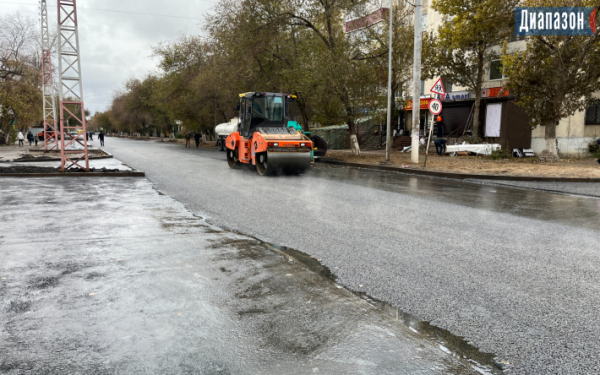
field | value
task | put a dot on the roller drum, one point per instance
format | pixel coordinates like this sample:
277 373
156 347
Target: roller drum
283 162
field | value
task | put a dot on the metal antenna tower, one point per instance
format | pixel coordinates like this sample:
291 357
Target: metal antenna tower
72 113
48 89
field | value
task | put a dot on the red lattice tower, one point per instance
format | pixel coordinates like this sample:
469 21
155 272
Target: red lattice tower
72 113
48 89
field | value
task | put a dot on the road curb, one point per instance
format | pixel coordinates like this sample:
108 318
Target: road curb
458 176
76 174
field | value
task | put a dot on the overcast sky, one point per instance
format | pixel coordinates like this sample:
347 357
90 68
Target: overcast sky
116 46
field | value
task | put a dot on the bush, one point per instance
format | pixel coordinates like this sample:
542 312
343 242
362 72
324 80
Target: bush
503 154
180 136
594 147
13 137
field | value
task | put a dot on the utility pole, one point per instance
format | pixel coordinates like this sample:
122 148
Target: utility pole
71 89
388 142
416 102
48 89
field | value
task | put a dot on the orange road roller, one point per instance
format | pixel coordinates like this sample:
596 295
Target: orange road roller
264 139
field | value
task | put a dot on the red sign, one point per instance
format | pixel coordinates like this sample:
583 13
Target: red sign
438 88
493 92
408 105
367 20
435 107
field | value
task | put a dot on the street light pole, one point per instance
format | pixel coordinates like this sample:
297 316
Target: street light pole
388 142
416 102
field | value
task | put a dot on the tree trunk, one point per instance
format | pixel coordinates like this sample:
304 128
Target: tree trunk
550 136
349 112
478 84
301 105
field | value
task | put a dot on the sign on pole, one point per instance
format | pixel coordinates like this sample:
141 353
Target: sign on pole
435 107
438 88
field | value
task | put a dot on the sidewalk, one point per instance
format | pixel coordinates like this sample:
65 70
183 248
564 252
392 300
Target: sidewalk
37 153
477 165
110 276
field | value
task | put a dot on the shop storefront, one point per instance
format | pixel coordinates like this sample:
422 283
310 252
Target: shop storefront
501 120
425 117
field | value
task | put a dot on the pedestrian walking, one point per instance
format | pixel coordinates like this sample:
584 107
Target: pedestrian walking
197 137
36 139
30 138
101 138
188 137
91 136
20 137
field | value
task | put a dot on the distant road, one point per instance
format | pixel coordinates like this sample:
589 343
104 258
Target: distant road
513 271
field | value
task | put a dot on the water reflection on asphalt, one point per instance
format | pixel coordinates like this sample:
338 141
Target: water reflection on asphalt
557 208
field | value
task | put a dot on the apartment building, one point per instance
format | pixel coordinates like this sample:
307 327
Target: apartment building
501 120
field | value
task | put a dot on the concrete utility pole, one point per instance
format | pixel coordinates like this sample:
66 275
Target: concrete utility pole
416 107
388 142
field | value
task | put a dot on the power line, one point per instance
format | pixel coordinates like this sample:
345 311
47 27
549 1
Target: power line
113 11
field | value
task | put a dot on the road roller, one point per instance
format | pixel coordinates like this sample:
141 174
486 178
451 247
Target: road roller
263 138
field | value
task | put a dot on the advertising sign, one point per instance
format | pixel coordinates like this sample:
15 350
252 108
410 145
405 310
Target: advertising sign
555 21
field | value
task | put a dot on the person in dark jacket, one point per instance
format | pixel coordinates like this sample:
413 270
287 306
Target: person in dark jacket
197 138
440 126
30 138
101 138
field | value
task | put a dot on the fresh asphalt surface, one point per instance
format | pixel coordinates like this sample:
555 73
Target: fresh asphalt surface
513 271
124 280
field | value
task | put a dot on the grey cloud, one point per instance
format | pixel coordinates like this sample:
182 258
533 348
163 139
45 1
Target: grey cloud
117 46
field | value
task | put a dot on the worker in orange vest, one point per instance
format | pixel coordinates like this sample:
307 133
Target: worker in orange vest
440 126
440 142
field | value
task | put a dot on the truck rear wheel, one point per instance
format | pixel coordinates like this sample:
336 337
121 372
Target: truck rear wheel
232 158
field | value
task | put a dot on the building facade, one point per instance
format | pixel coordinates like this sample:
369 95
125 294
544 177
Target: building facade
501 121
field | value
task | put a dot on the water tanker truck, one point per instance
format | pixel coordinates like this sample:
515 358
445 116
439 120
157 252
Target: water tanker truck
263 138
223 130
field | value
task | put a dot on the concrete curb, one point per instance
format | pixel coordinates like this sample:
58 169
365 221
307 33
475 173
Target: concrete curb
458 176
76 174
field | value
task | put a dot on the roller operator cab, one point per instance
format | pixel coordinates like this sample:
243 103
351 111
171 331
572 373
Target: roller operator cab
263 138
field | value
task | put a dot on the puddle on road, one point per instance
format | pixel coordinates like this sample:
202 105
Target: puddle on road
450 343
545 206
455 344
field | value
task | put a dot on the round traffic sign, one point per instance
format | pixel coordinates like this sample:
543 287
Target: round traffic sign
435 106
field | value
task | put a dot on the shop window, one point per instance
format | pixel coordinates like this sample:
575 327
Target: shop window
512 36
496 70
592 115
447 84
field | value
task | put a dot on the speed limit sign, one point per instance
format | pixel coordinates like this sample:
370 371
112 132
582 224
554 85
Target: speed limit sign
435 106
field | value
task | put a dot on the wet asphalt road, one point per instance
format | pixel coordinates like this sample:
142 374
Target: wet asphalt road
513 271
106 276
